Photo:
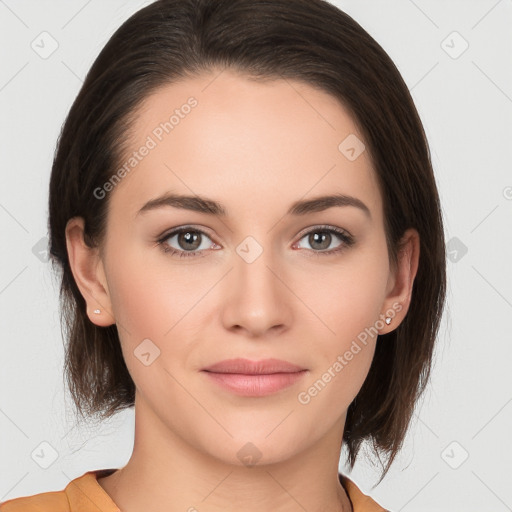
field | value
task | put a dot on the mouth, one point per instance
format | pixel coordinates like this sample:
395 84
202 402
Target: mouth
254 378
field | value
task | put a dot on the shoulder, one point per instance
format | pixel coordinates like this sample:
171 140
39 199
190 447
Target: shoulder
55 501
360 501
82 494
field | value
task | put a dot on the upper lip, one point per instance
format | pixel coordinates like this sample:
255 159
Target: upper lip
247 367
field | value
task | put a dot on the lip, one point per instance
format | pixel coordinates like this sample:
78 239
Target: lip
254 378
248 367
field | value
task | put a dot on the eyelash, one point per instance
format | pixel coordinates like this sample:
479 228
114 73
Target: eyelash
347 240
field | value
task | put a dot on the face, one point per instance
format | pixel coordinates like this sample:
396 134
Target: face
264 279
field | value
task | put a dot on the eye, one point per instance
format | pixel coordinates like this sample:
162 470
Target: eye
321 238
189 242
192 242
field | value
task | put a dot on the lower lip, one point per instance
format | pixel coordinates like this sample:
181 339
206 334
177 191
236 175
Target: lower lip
255 385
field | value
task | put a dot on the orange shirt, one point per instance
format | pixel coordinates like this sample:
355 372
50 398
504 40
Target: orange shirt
85 494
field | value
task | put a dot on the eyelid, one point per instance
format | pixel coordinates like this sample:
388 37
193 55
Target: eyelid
178 229
325 227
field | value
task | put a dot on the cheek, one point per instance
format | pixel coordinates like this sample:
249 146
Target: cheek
150 304
348 302
157 301
149 296
348 298
134 301
344 351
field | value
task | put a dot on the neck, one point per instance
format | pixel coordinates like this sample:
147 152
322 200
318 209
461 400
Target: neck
165 472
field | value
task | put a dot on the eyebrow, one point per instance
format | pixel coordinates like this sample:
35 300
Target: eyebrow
211 207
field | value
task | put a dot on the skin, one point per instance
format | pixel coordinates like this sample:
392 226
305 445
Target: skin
256 147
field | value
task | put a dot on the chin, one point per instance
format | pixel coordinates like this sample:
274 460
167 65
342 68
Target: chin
254 447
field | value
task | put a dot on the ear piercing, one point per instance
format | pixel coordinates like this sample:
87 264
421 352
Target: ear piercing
97 311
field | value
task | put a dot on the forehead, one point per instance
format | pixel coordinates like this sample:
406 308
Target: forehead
244 142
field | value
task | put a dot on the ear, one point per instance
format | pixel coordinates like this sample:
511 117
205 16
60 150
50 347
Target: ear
88 271
401 280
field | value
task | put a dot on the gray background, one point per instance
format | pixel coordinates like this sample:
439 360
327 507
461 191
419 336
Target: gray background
457 453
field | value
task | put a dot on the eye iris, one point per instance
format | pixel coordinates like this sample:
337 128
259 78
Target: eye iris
189 237
320 237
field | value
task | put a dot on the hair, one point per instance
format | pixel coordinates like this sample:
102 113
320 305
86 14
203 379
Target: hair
310 41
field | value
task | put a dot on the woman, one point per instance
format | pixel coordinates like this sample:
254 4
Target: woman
244 212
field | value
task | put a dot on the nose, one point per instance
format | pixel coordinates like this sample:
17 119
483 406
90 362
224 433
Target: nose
258 298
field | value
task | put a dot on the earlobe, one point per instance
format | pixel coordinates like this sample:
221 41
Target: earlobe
87 268
399 297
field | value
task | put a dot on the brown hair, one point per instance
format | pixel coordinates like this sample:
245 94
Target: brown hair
307 40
